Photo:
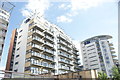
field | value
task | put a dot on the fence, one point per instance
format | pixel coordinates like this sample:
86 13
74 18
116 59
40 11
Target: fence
81 75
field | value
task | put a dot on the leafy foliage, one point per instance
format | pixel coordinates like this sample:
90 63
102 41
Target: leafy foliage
102 76
116 73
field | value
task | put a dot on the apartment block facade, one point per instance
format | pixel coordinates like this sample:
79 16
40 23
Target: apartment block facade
98 53
4 21
42 47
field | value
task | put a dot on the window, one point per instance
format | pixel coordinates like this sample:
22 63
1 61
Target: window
105 50
27 68
107 58
90 46
92 57
107 62
16 70
17 55
27 20
19 42
20 36
102 42
18 49
27 59
16 63
93 60
93 64
20 31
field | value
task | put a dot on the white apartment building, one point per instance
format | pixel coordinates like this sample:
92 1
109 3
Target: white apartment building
98 53
42 47
4 21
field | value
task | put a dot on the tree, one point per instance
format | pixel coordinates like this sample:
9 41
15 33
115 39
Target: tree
116 73
102 76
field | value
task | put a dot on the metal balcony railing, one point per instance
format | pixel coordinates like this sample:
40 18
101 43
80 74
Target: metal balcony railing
65 61
43 65
49 51
62 54
37 46
38 32
38 39
64 67
51 45
51 39
42 56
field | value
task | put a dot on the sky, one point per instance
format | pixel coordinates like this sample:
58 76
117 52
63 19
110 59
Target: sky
80 19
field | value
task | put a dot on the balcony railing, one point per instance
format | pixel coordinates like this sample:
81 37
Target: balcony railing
111 48
42 56
111 44
3 26
49 51
49 38
77 67
76 53
112 52
49 32
65 68
37 25
37 46
62 42
62 48
62 54
51 45
38 39
114 56
42 64
115 60
38 32
65 61
65 38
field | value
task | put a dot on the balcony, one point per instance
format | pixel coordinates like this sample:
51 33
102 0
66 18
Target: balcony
66 62
3 26
115 60
78 58
39 33
2 34
49 58
49 51
39 26
41 64
76 53
36 54
49 38
65 38
76 67
37 46
76 63
62 37
41 56
62 42
49 32
63 48
39 40
112 52
110 44
111 48
65 68
63 55
49 44
113 56
47 65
